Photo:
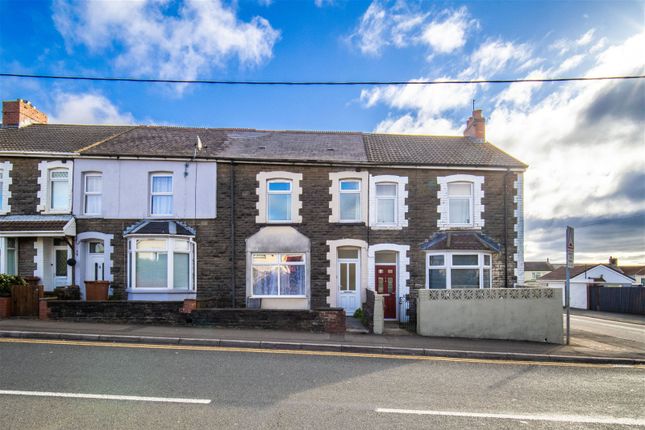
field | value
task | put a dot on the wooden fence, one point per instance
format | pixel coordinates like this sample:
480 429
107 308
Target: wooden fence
628 300
25 300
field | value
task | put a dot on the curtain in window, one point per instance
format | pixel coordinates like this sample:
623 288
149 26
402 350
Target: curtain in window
93 204
152 269
292 280
349 206
460 210
59 195
181 271
265 280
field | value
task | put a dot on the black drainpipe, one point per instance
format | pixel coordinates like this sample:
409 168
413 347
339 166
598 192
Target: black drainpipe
232 199
508 172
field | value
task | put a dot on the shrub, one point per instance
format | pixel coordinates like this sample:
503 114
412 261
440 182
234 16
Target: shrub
358 313
6 281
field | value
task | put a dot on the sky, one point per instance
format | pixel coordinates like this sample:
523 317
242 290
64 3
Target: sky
584 142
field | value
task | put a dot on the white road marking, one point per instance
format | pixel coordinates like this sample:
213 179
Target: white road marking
556 418
104 397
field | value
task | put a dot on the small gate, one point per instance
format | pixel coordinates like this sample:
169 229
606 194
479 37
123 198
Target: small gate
407 314
24 300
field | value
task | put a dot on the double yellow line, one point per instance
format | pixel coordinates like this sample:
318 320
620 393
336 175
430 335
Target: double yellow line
311 353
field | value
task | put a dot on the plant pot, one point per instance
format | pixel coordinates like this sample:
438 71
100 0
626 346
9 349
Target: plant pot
5 307
96 290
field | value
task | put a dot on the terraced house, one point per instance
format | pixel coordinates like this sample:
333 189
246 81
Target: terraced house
244 217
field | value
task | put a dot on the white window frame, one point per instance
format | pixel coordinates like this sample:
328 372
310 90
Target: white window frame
334 190
162 193
471 203
288 192
50 189
92 193
4 246
448 266
5 182
279 263
170 251
350 192
401 207
263 179
476 205
393 198
44 192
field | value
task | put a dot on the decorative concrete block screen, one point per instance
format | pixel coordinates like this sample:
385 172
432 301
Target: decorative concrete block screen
533 314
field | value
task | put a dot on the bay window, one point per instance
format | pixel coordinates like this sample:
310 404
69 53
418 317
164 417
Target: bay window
460 203
458 270
350 200
92 193
278 275
161 194
279 200
386 203
59 190
161 263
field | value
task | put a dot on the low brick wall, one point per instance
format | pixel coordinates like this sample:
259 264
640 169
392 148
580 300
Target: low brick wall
320 320
328 320
114 311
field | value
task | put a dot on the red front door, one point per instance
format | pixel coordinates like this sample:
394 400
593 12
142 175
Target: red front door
386 286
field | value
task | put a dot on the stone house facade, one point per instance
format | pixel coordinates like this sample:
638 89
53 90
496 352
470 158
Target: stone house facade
274 219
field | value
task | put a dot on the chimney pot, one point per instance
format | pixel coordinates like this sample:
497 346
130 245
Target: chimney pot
476 126
21 113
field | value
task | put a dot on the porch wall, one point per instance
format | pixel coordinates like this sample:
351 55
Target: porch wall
533 314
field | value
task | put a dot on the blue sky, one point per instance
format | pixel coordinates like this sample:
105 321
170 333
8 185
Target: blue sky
584 142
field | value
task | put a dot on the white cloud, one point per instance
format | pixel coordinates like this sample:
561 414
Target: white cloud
494 56
586 38
447 35
149 41
403 24
87 108
323 3
580 139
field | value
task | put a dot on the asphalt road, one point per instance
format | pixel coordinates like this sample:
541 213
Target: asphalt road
617 329
246 389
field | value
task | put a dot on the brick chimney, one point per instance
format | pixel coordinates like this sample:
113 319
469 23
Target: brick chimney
476 126
613 261
21 113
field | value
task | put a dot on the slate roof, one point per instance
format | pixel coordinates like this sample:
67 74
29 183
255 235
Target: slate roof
633 270
559 274
538 266
435 150
55 137
160 227
251 144
24 223
460 240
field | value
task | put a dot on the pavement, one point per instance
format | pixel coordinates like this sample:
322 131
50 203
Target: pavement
47 384
593 340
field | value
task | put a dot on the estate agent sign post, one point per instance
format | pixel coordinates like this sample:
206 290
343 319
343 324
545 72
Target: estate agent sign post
567 286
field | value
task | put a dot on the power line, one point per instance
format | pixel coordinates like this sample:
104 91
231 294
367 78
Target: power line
316 83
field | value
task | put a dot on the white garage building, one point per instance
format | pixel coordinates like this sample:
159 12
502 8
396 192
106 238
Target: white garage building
582 276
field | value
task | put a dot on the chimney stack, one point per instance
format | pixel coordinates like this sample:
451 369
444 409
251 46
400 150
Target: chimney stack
476 126
21 113
613 261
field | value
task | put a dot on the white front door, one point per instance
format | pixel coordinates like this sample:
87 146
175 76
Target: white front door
94 261
59 263
349 285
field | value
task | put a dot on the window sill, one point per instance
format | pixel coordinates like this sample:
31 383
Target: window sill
278 297
349 222
386 227
158 290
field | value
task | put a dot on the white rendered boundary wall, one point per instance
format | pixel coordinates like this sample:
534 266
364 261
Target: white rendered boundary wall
533 314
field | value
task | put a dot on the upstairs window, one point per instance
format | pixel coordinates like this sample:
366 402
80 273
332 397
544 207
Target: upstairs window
92 193
161 195
279 201
59 190
386 204
350 200
460 203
